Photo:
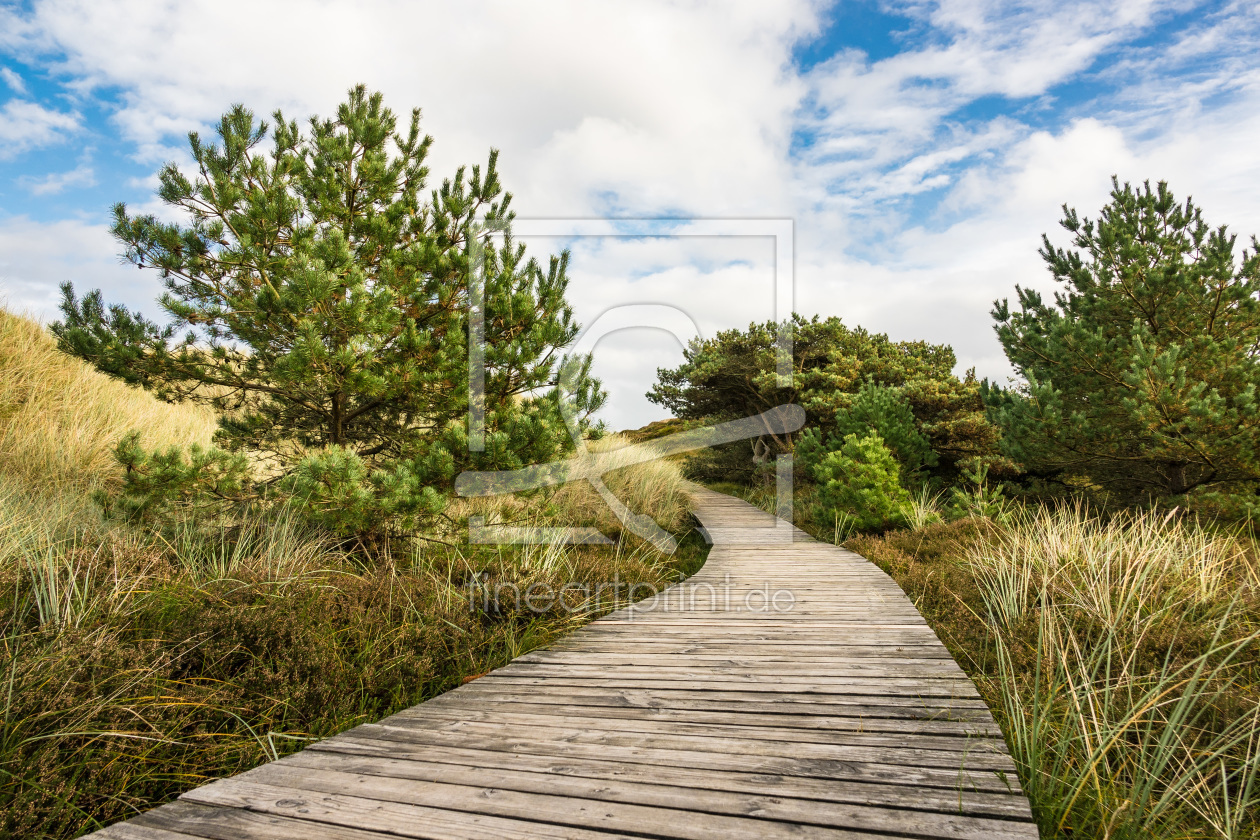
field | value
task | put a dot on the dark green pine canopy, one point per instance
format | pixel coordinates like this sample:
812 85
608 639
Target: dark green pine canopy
1141 376
325 307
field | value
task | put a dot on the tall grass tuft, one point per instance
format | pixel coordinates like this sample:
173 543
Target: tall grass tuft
275 546
654 488
924 509
1126 670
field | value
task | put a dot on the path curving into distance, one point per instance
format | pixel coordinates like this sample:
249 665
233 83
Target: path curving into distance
787 690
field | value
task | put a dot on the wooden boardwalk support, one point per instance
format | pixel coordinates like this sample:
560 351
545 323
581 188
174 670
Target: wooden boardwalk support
790 689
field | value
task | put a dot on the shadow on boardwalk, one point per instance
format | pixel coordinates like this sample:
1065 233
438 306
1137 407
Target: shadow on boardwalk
789 689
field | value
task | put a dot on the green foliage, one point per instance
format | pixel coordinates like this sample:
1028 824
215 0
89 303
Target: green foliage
1141 377
205 478
875 409
951 413
977 497
733 374
337 491
325 308
862 479
836 374
886 412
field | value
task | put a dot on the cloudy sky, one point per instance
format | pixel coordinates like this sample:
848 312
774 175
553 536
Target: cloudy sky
920 149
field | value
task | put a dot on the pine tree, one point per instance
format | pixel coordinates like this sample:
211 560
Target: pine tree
325 309
1141 377
875 409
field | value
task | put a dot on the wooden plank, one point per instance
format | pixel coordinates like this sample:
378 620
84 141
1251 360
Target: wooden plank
964 801
783 663
765 728
785 706
728 677
715 741
393 779
135 831
410 809
823 768
851 653
227 823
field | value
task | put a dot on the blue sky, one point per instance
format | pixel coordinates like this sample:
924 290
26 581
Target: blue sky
920 148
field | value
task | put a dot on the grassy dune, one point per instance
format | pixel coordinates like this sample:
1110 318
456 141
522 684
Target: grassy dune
60 418
138 663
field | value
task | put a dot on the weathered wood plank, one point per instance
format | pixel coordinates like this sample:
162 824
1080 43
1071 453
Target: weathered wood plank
457 811
930 799
425 783
950 778
791 709
764 728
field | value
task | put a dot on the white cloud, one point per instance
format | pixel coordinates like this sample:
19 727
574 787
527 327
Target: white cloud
676 95
36 257
27 125
13 80
939 285
886 129
55 182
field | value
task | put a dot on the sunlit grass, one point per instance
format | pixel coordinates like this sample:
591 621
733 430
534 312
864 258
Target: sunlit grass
1107 736
1118 653
60 419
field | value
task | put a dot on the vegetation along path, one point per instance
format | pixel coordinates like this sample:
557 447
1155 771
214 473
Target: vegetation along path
790 689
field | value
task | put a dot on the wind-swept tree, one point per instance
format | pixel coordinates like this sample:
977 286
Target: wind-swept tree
1142 375
324 306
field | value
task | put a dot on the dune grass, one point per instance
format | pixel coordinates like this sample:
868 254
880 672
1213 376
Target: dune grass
139 663
1118 653
60 418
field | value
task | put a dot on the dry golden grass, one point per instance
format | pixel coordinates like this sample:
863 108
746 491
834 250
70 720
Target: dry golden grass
655 488
1118 653
60 419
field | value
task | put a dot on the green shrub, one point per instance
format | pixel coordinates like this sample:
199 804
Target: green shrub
979 498
862 479
886 412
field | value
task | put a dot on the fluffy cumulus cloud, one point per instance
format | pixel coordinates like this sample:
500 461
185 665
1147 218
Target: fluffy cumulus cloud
28 125
920 175
37 257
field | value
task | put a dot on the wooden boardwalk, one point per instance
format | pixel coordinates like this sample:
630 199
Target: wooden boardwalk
789 689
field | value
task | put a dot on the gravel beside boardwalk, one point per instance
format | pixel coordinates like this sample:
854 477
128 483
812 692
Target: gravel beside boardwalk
790 689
